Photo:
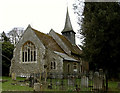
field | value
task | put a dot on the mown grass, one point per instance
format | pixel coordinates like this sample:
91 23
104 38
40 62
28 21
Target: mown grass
7 86
113 86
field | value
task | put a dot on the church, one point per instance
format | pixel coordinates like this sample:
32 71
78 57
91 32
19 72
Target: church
37 52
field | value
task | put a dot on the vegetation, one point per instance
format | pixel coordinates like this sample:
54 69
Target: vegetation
8 86
7 54
101 32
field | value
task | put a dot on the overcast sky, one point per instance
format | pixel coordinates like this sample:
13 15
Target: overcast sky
40 14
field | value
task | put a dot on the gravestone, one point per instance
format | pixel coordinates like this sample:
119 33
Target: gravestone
37 86
97 81
84 81
13 76
118 85
57 83
70 82
101 72
90 75
102 77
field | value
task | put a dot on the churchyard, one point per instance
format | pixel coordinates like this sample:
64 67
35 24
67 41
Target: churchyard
57 82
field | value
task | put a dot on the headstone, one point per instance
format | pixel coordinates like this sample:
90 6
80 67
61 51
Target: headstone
97 81
57 83
13 76
101 71
118 85
70 82
84 81
37 86
101 74
90 75
102 77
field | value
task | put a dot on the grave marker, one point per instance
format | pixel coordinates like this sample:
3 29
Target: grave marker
97 81
84 81
13 76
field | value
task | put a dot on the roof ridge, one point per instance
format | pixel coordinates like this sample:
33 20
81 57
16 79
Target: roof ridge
48 41
68 43
38 31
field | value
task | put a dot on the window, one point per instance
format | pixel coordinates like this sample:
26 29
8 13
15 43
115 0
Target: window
28 52
68 67
75 67
53 65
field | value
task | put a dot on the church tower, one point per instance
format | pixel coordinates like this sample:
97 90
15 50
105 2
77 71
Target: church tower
68 30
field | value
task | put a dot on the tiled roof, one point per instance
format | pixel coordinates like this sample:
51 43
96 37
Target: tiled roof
51 44
66 57
73 48
48 41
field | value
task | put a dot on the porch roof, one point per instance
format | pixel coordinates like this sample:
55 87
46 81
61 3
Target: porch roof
66 57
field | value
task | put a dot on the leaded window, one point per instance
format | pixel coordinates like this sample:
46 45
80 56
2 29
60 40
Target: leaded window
28 52
53 65
75 67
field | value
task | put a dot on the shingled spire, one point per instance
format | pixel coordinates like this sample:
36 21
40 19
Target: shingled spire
68 30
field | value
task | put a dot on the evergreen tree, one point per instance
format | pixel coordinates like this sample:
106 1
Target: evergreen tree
4 37
7 54
101 31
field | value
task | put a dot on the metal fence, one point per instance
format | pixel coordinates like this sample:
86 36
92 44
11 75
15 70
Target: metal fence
69 82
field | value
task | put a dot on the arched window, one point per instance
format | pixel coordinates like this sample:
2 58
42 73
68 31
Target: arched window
75 66
28 52
53 65
68 68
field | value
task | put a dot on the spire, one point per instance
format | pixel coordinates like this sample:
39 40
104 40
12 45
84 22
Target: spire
29 26
68 25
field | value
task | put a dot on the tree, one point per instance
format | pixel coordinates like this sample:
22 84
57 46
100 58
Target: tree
7 54
4 37
78 8
101 31
15 34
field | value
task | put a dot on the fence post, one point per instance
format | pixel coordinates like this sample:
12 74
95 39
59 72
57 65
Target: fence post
106 74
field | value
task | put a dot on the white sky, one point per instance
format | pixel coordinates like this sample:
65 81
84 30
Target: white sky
40 14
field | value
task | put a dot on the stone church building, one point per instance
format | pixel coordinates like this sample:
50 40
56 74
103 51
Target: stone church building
37 52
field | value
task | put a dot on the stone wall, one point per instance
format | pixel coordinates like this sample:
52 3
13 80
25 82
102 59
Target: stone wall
17 66
71 67
44 57
52 57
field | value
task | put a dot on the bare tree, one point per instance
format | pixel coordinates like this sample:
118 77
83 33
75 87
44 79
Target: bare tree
15 34
78 8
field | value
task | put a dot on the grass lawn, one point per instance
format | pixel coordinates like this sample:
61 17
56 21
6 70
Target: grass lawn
112 86
7 86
